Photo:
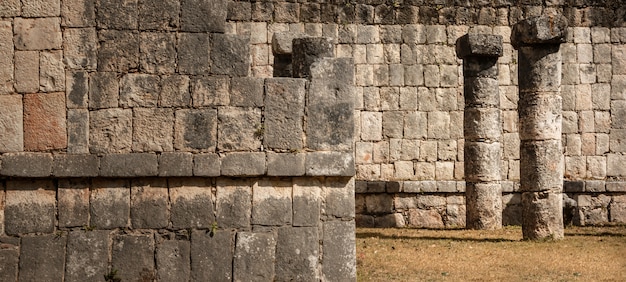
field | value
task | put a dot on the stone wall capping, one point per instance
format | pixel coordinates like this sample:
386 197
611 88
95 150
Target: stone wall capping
26 164
176 164
243 164
129 165
330 164
76 165
544 29
479 45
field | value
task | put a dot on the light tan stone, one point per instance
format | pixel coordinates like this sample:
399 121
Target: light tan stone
38 33
11 123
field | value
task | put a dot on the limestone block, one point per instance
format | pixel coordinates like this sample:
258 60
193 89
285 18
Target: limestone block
87 255
271 202
73 203
618 53
540 116
37 264
484 205
511 146
618 87
615 165
192 203
229 55
118 51
239 129
11 123
27 71
416 125
78 13
425 218
139 90
338 248
615 186
481 92
431 75
541 68
482 124
541 166
239 11
409 151
149 204
544 29
203 15
157 52
393 124
307 202
29 207
37 33
26 164
118 14
329 164
285 164
307 50
300 264
76 89
243 164
254 256
212 255
479 45
364 75
618 114
444 170
210 90
44 122
159 15
193 53
175 164
174 91
284 112
145 138
103 90
69 165
246 92
80 48
403 170
438 125
129 165
389 98
206 165
173 260
109 203
133 257
110 131
371 126
233 203
51 71
7 67
10 8
542 215
575 167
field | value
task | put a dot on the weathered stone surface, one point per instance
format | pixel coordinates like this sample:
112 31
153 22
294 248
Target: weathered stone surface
282 42
44 122
542 215
38 33
297 254
11 123
210 90
284 113
544 29
139 90
285 164
6 55
78 13
73 202
230 55
329 164
339 251
70 165
539 69
42 257
110 131
307 50
129 165
540 116
239 129
109 203
87 255
541 166
203 15
9 267
174 91
133 257
149 204
176 164
482 124
191 203
26 71
145 138
338 195
484 205
479 45
80 48
246 91
118 14
212 255
481 92
233 203
10 8
330 124
26 164
239 11
425 218
118 51
482 161
157 52
195 130
307 201
78 131
480 67
271 203
29 207
76 89
193 53
173 260
159 15
206 165
254 256
103 90
243 164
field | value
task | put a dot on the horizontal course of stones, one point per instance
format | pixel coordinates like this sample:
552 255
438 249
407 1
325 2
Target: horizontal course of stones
168 229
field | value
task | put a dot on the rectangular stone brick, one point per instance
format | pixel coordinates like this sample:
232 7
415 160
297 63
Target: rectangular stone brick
37 33
615 165
175 164
139 90
26 71
11 123
87 255
109 203
206 165
129 165
103 90
246 91
145 138
174 91
212 255
233 203
78 13
9 267
159 15
10 8
307 201
78 131
173 260
149 203
438 125
70 165
47 265
339 250
29 207
73 202
284 113
133 257
615 186
254 256
26 164
239 129
329 164
118 14
338 195
243 164
44 122
195 130
6 56
371 126
230 54
193 53
80 48
285 164
157 51
210 90
118 50
271 200
76 89
110 131
203 15
192 203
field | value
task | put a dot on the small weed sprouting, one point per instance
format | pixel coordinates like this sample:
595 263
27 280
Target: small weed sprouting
260 131
112 276
89 227
213 229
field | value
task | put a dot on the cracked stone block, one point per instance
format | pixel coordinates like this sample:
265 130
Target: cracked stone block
103 90
297 254
149 204
284 113
212 255
173 260
118 51
203 15
159 15
36 264
339 250
118 14
254 256
271 203
193 53
139 90
45 122
157 52
38 33
78 13
239 129
73 203
233 203
145 139
192 203
110 131
87 255
29 207
307 50
133 257
11 123
195 130
80 47
229 55
109 204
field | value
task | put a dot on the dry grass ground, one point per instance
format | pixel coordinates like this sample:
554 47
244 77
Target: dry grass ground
586 254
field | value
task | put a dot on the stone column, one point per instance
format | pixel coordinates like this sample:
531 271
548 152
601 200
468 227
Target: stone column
537 40
482 129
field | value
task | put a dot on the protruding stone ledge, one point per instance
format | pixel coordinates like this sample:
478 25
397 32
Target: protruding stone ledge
68 165
545 29
176 164
479 45
243 164
26 164
129 165
330 164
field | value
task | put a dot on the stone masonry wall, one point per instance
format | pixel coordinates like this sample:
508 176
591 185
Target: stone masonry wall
409 110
